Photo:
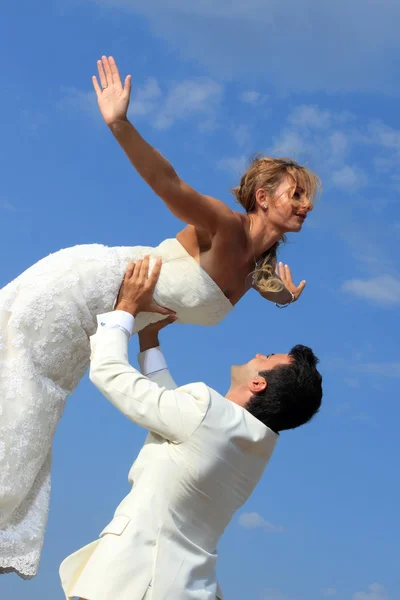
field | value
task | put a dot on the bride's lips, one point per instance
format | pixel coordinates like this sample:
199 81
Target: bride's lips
301 216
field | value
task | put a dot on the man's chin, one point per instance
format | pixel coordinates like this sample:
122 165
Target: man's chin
234 371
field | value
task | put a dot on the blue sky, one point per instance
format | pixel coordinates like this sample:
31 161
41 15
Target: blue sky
214 83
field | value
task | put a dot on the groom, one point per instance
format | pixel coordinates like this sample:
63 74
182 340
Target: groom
200 463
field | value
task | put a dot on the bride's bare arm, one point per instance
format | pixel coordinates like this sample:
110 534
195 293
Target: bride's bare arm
183 201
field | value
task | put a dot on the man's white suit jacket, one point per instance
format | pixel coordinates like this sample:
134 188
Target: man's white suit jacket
198 466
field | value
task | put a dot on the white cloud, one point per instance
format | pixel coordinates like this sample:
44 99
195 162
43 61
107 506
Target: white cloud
191 98
352 382
342 408
6 205
241 135
253 98
255 521
33 120
389 369
383 290
235 165
145 98
329 592
349 177
338 144
376 591
313 133
333 52
187 98
290 143
310 116
385 136
82 101
274 594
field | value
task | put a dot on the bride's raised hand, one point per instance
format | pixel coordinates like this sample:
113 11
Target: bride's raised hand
283 271
112 96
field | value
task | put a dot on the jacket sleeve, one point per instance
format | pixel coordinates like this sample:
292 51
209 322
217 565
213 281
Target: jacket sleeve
163 379
172 414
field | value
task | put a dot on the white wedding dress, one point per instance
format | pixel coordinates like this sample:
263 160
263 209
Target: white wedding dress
47 315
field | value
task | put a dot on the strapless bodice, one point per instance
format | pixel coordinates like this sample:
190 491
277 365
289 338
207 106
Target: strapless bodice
183 286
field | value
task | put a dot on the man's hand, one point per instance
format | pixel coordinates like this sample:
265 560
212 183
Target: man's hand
148 337
136 293
112 96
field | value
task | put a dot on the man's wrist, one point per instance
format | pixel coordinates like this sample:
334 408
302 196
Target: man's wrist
147 342
152 361
117 319
133 309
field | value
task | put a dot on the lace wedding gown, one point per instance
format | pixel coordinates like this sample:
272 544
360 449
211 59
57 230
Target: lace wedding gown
47 315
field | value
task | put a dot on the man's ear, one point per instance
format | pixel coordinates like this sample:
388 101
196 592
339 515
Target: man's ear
257 384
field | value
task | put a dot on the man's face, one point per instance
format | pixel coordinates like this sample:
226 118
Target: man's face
245 374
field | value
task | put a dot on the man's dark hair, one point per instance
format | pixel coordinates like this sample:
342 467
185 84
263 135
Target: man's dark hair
293 394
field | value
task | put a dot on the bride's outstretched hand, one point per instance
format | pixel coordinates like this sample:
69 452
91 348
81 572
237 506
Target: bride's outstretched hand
112 96
283 271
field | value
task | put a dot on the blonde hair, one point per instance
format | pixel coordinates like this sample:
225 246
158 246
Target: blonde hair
267 173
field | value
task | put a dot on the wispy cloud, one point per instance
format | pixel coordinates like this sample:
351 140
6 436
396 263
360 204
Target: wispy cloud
241 135
274 594
329 592
328 27
78 100
253 98
198 99
388 369
310 116
235 165
375 591
332 140
383 290
6 205
352 382
255 521
192 97
145 98
349 178
319 137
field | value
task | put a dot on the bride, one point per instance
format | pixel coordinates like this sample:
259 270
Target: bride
49 312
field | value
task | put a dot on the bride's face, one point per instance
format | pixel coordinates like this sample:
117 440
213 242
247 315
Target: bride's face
289 207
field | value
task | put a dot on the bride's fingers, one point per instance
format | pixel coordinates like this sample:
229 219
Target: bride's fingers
301 287
96 85
115 72
128 84
102 75
288 273
107 70
281 271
